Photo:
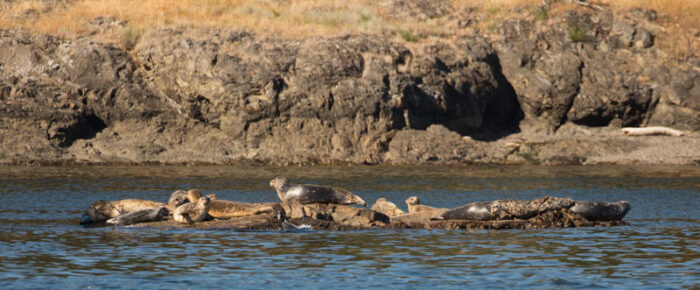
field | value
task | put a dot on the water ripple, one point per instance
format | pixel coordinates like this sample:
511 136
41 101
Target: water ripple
43 246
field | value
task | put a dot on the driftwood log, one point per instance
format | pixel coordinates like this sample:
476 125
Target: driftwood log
651 131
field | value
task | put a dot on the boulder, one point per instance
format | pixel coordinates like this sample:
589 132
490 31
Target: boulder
341 214
388 208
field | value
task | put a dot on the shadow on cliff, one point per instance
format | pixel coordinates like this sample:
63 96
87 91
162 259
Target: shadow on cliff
478 101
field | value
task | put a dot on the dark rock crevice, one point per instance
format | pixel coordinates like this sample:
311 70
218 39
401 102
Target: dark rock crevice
63 134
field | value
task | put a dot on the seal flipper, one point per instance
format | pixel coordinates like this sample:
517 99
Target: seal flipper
187 217
438 218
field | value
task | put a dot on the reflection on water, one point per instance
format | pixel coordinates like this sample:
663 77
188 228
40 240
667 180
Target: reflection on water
43 246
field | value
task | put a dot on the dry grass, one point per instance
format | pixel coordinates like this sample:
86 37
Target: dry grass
301 18
679 18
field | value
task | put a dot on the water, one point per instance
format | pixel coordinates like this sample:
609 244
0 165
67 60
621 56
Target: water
43 246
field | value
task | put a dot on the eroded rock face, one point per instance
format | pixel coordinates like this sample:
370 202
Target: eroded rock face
221 96
225 96
57 92
609 75
436 144
679 102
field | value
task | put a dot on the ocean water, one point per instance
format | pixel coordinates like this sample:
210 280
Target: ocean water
43 246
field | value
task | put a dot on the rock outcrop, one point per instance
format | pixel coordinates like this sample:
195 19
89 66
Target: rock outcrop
546 212
595 69
224 96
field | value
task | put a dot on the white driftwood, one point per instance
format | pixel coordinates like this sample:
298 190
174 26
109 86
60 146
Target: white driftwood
545 4
651 131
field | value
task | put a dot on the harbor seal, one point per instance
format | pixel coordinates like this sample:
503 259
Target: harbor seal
190 213
414 206
309 193
386 207
103 210
601 211
231 209
177 198
480 211
140 216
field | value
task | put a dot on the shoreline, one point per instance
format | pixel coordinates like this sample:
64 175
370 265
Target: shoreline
513 150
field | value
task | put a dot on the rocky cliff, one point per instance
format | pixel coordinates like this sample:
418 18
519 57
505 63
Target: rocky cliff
555 93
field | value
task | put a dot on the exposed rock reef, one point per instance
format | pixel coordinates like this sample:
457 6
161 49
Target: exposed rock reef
319 207
547 212
538 94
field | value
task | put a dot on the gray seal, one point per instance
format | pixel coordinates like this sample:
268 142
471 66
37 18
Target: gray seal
309 193
601 211
146 215
480 211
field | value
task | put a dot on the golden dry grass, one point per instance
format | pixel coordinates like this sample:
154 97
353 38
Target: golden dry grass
302 18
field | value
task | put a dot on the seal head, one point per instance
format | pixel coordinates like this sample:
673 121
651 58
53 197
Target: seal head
281 185
413 200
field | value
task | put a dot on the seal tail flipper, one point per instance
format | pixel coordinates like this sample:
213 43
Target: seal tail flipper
112 221
439 216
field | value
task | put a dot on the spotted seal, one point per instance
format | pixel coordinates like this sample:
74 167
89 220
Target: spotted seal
140 216
309 193
230 209
190 213
177 198
103 210
386 207
414 206
601 211
481 211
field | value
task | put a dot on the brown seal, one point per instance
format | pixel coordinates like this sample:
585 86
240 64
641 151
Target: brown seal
386 207
414 206
140 216
190 213
231 209
309 193
102 210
